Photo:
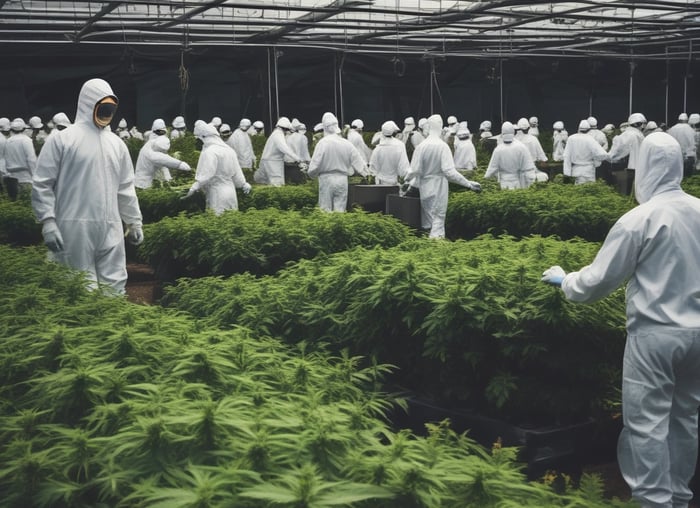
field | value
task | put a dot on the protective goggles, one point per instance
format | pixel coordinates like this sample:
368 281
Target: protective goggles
104 111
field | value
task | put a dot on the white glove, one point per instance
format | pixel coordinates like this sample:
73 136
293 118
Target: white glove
303 166
246 188
184 166
134 234
52 236
475 186
554 275
189 192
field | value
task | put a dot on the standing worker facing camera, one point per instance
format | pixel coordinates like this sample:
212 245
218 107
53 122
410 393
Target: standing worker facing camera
83 192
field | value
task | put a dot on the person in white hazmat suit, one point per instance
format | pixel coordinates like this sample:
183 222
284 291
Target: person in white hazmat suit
60 122
333 160
694 122
559 137
83 192
152 157
355 137
4 133
218 173
582 154
299 143
511 163
534 126
433 167
240 141
179 127
464 150
532 143
389 160
654 248
627 143
596 133
271 168
20 158
685 135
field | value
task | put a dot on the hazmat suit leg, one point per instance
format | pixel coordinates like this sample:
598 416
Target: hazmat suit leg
433 204
657 449
332 192
97 249
275 173
222 197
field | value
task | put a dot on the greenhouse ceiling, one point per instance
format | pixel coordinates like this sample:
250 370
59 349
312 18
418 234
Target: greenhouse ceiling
653 29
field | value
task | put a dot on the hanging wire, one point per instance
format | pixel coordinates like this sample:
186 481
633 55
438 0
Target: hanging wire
182 73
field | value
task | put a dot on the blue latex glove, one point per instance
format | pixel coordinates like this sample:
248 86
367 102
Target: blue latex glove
554 275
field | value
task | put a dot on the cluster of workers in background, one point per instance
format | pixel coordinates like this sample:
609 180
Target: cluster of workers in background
83 185
422 156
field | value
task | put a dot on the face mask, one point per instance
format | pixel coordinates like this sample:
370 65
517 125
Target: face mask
160 132
225 135
60 127
104 112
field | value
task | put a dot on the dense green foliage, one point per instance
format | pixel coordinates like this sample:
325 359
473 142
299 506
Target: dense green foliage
587 211
468 322
18 225
105 403
165 201
259 241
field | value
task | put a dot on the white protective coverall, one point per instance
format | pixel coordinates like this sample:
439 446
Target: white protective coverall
581 156
465 152
355 137
654 248
241 143
559 137
334 159
299 143
511 162
271 169
4 124
20 157
433 167
627 144
153 156
218 172
685 135
533 145
389 160
84 181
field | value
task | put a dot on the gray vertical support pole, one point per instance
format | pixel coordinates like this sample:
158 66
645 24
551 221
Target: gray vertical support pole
432 77
500 79
685 77
631 91
667 88
277 88
335 81
340 88
269 88
590 102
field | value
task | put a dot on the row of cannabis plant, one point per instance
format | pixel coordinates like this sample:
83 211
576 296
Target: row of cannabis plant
466 323
259 241
165 201
551 208
106 403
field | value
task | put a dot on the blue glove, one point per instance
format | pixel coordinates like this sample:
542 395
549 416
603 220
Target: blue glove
554 275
